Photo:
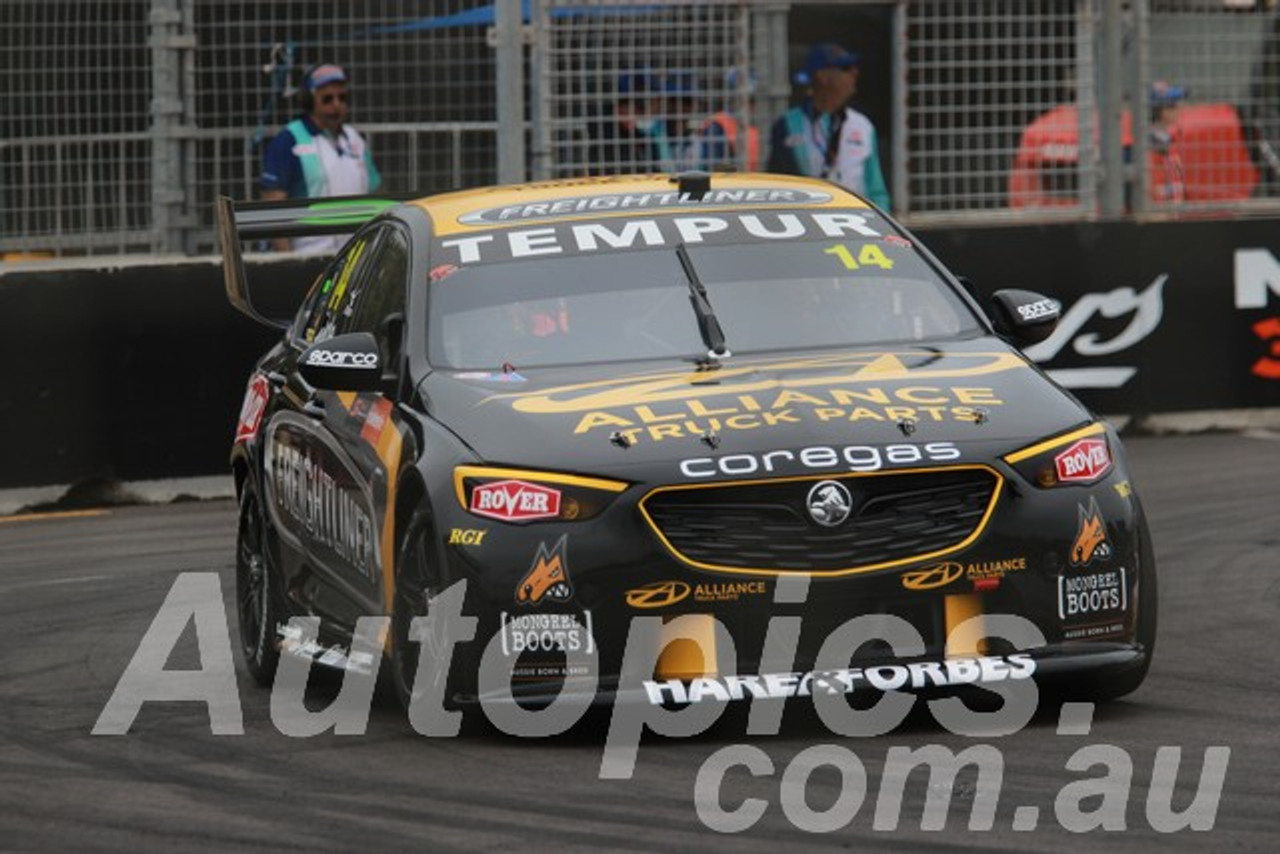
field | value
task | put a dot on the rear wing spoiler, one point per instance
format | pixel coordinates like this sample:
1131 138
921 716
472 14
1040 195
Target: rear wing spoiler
239 221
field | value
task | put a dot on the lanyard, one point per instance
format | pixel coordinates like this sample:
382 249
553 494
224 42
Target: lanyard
827 142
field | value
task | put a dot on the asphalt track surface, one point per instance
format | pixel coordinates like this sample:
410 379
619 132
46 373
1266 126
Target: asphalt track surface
78 593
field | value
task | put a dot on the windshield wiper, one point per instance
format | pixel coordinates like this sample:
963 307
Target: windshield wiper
708 323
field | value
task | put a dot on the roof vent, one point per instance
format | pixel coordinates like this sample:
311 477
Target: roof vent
693 184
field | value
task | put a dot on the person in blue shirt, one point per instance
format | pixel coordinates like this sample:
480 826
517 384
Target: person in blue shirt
678 137
824 137
318 153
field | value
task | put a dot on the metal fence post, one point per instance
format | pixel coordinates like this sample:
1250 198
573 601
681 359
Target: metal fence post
899 192
165 110
773 60
1111 109
509 42
540 113
1136 81
1086 106
189 222
742 94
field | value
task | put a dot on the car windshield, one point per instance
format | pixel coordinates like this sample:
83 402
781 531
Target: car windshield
631 305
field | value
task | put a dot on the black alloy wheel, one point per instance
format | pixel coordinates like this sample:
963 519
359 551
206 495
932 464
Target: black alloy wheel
411 600
418 580
255 602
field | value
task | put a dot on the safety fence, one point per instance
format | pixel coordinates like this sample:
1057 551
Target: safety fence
651 74
128 118
125 119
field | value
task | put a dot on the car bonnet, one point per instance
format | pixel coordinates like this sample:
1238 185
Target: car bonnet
969 400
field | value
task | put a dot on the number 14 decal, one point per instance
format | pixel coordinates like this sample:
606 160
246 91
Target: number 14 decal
869 255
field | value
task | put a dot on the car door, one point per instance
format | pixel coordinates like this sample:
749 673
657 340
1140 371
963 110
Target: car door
331 455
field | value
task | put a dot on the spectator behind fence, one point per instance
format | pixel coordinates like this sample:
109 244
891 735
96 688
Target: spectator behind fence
824 137
1196 153
318 153
720 130
1166 172
682 144
622 138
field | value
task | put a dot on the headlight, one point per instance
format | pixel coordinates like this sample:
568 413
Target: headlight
1080 457
520 495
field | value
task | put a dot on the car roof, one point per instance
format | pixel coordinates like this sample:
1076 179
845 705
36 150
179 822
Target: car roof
545 202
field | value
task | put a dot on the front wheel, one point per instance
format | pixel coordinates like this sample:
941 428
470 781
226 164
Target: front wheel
410 601
418 579
255 602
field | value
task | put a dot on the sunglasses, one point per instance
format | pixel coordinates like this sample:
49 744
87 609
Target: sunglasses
330 97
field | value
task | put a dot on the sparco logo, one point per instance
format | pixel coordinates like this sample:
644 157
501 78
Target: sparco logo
342 359
1085 461
829 503
1036 310
515 500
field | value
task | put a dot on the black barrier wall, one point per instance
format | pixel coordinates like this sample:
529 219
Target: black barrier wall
137 372
1158 317
124 372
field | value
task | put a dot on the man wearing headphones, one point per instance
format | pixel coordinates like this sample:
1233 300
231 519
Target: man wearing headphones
318 153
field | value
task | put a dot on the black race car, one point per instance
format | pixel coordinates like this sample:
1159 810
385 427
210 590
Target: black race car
727 398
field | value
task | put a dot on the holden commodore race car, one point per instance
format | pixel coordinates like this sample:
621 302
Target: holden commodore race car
707 400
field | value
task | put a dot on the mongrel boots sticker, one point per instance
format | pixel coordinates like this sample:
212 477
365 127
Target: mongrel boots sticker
1092 604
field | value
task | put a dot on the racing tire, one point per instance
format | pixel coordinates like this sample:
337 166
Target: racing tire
256 606
418 578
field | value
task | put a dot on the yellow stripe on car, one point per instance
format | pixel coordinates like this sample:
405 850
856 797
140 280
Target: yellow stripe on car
1049 444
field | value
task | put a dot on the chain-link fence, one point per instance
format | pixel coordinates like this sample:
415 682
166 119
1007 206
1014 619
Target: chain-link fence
977 74
74 90
1082 108
125 119
422 88
1222 61
629 88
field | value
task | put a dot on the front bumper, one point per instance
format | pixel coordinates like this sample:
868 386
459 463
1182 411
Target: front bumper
1055 669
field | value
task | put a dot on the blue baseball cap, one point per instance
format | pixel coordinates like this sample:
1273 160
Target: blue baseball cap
1164 94
323 75
825 55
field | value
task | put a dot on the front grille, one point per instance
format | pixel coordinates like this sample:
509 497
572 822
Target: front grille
765 525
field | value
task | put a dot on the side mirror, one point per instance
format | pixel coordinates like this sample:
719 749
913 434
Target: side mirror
1025 317
343 363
